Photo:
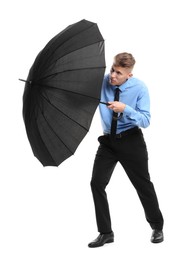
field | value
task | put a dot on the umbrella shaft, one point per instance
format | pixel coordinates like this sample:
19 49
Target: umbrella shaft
105 103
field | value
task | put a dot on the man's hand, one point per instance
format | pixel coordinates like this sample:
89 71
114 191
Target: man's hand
116 106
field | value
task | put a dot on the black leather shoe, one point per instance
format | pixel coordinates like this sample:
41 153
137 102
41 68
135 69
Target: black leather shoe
157 236
102 239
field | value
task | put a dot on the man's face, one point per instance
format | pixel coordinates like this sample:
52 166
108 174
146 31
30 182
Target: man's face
118 75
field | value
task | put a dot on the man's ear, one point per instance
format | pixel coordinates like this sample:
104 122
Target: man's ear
130 75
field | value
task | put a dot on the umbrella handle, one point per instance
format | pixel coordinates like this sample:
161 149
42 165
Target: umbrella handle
114 117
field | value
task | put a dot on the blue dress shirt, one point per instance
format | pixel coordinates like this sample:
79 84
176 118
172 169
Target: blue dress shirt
134 94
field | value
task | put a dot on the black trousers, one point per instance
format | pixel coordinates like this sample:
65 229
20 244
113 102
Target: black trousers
131 151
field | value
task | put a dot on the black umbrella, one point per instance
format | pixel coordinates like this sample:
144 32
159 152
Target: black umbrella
62 92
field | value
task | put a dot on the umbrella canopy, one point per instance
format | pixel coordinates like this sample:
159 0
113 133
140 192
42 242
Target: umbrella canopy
62 92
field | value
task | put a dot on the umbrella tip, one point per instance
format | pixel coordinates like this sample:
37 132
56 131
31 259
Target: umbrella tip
27 81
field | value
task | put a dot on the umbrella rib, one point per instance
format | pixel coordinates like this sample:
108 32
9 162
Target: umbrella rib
98 41
92 25
54 133
49 101
69 91
60 72
66 116
43 140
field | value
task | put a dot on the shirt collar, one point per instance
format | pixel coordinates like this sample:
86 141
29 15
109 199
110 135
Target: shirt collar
123 86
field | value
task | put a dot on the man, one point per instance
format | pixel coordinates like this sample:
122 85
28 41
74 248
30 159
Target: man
123 142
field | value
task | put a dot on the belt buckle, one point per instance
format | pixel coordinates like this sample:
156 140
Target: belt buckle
119 136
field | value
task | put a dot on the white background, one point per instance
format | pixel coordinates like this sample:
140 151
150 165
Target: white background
48 213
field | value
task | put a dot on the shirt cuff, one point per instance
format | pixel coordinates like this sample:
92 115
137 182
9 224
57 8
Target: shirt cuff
128 111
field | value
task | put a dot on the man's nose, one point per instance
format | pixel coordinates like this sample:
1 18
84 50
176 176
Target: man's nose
113 74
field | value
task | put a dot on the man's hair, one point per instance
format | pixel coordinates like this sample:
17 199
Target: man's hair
125 60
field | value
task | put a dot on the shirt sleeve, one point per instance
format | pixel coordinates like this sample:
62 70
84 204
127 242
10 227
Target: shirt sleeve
140 115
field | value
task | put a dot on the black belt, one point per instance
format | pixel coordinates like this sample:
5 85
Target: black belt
124 133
